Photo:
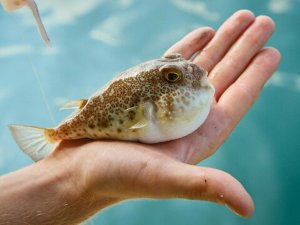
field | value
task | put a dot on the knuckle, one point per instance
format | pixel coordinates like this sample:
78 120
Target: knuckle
248 93
230 64
205 60
253 39
267 61
264 66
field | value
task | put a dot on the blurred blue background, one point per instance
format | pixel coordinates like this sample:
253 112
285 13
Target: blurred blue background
93 40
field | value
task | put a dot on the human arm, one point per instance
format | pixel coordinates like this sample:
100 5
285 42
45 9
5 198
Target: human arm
43 193
83 177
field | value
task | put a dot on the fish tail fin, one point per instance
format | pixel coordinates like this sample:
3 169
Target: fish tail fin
34 141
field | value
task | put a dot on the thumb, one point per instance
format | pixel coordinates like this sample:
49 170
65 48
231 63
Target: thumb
178 180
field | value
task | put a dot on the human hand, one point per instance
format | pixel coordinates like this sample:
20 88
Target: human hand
108 172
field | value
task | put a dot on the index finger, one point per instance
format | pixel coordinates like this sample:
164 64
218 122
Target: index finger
192 42
225 37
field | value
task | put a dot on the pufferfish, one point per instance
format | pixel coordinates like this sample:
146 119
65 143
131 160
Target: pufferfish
156 101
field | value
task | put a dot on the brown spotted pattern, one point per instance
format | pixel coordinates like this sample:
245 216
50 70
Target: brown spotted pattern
112 112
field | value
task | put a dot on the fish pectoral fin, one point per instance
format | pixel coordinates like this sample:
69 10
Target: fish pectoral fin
146 115
139 125
74 104
149 111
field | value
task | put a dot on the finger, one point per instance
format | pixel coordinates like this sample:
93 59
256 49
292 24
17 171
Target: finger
227 34
240 96
192 42
239 56
178 180
128 170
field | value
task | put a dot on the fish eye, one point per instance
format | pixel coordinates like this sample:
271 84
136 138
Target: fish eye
171 73
172 76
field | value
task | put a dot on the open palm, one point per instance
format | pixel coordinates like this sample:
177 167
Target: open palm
238 68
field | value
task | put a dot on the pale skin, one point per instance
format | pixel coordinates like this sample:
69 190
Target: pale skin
83 177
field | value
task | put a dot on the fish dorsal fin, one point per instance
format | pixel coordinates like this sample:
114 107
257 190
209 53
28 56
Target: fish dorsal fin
74 104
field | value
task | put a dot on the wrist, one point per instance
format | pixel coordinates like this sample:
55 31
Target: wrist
47 192
77 198
42 193
60 179
67 173
71 168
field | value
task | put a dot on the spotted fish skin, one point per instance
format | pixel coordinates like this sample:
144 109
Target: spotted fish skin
113 112
159 100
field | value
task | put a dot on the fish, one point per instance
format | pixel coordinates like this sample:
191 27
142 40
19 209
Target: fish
157 101
12 5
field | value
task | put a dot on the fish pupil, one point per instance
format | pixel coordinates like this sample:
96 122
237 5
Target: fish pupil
172 77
